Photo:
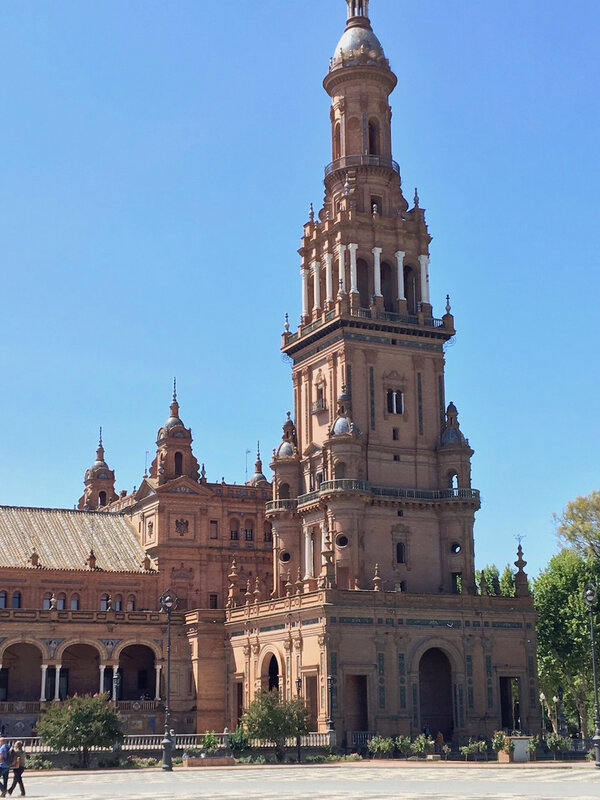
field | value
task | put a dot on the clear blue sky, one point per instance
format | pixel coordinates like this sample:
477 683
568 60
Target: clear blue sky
158 159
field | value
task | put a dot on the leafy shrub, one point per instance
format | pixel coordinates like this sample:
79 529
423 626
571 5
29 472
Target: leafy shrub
556 742
238 741
210 743
380 746
352 757
446 750
403 745
422 745
251 760
37 761
533 744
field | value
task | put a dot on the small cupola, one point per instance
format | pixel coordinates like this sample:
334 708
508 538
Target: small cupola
452 435
258 479
343 425
99 483
287 448
174 456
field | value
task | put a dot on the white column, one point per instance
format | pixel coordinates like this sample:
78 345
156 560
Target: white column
101 687
342 266
329 277
308 567
304 274
424 262
43 689
377 270
316 285
57 683
400 262
353 287
157 681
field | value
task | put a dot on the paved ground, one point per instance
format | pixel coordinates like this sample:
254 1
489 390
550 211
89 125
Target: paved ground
352 781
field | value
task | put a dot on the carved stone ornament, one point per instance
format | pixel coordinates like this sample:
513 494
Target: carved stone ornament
182 526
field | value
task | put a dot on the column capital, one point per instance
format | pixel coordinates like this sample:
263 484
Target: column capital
400 254
377 250
353 247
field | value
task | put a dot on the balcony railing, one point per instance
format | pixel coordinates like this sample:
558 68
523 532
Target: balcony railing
389 316
362 161
318 405
351 485
282 505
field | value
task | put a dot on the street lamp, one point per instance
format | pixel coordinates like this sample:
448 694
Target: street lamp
298 694
330 722
589 595
562 711
542 701
168 602
116 680
555 701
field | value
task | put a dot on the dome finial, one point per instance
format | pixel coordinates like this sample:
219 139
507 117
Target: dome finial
358 8
174 390
100 437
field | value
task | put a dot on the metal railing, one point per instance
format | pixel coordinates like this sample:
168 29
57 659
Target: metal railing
19 707
352 485
390 316
281 505
362 161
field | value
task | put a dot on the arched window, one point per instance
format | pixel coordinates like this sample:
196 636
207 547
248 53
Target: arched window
452 480
46 601
131 603
340 470
234 530
337 141
268 532
61 601
16 600
249 530
273 674
74 604
387 287
373 133
400 553
102 498
3 599
118 602
362 281
410 289
104 602
284 491
178 464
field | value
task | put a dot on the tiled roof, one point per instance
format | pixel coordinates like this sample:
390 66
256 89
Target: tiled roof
63 539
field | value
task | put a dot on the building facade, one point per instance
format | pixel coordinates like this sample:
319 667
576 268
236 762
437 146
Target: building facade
350 579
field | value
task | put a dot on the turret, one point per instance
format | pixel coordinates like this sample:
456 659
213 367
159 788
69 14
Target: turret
99 483
174 456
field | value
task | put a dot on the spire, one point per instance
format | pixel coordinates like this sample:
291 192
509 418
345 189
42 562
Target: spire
358 8
174 403
258 479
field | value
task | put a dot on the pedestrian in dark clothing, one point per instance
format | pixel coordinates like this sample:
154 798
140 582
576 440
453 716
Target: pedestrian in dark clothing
18 765
4 765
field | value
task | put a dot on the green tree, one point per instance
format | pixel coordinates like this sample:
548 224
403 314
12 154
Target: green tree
271 718
579 525
507 582
563 629
492 579
80 723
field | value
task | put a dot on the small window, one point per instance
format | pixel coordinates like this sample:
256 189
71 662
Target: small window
285 557
395 434
102 499
457 582
395 401
131 603
213 600
234 535
178 464
46 601
400 553
234 530
400 513
455 548
16 600
342 540
396 457
3 599
61 601
118 603
74 602
376 204
213 529
104 602
268 532
249 535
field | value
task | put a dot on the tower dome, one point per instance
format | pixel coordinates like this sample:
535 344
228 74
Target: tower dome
99 483
358 44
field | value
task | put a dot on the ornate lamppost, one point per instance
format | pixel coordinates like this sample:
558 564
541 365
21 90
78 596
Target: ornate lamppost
116 680
555 701
298 695
589 595
330 722
561 707
542 701
168 602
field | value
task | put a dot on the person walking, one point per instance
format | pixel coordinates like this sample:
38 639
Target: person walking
18 765
4 765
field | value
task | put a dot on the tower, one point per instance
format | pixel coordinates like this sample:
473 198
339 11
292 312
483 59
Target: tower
374 613
99 483
381 465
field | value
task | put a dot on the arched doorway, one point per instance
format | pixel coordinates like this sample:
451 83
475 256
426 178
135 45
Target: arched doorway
273 674
79 670
435 693
136 667
20 673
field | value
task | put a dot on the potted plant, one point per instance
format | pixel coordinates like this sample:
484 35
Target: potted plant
532 746
503 746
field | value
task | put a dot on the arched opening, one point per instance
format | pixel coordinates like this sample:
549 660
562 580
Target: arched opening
410 289
284 491
79 672
136 665
373 135
273 674
268 530
118 602
102 498
387 287
400 553
16 600
3 599
337 141
362 283
104 602
131 603
74 605
248 530
435 693
21 668
61 601
453 480
234 530
178 464
340 470
46 601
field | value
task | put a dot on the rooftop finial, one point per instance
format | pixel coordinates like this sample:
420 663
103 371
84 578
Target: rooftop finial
416 198
258 451
311 213
174 390
358 8
448 306
100 437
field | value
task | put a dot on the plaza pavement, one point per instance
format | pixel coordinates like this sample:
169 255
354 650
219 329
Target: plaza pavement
354 781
